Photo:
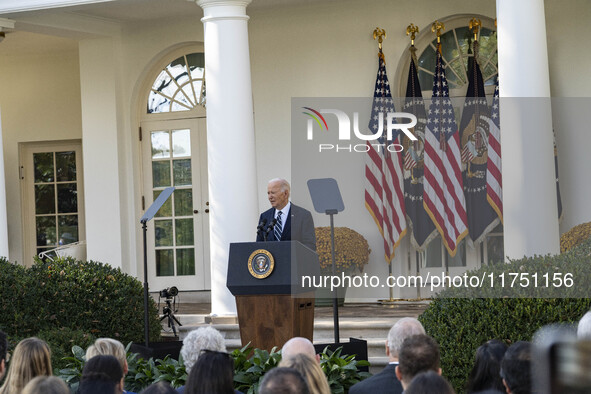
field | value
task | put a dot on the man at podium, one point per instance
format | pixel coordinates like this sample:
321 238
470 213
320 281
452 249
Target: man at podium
285 221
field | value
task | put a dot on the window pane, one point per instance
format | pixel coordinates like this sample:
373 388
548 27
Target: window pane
163 232
458 67
181 143
160 144
177 68
45 226
184 232
67 198
67 226
65 163
182 172
175 106
44 199
465 38
183 202
196 64
449 49
166 208
158 103
164 262
427 62
43 163
459 260
161 173
185 261
163 84
495 249
433 253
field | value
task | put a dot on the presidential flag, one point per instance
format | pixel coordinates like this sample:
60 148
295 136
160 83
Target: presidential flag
383 170
443 188
494 182
474 136
422 228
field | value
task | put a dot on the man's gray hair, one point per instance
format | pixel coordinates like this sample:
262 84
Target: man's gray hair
203 338
283 183
297 345
584 328
404 328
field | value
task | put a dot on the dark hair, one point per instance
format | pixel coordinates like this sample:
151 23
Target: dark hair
283 381
515 367
429 382
213 372
159 388
3 345
486 371
101 374
419 353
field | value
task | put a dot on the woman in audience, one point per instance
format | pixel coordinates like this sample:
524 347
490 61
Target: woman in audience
310 370
429 382
159 388
31 358
102 375
486 371
46 385
212 373
202 338
112 347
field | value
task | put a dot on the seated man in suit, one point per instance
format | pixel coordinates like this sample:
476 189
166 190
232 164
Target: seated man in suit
291 222
386 381
419 353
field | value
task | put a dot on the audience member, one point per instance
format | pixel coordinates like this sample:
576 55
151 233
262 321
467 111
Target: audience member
298 345
584 327
429 382
386 381
46 385
31 358
109 347
197 340
419 353
486 371
283 381
102 374
212 373
3 352
310 370
159 388
515 368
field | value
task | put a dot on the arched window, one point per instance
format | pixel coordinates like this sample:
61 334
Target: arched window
180 86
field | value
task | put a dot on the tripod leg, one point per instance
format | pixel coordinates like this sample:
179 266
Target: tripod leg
176 320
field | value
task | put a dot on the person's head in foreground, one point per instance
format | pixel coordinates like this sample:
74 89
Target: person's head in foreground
310 370
283 380
46 385
31 358
515 368
212 373
429 382
485 373
584 327
419 353
197 340
298 345
102 374
404 328
109 347
159 388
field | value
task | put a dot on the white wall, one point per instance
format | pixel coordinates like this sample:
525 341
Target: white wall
40 100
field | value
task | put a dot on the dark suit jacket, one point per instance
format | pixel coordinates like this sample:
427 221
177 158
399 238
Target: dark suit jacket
298 227
384 382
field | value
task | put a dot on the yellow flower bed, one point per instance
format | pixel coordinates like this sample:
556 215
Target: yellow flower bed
351 249
574 236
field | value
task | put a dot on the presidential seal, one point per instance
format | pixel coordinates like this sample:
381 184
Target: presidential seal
261 263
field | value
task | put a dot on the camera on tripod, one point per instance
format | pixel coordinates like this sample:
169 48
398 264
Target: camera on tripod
170 307
169 292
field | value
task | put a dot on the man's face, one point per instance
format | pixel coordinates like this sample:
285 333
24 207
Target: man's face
277 198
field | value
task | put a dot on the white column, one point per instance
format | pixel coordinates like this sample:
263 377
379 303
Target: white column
3 214
230 139
529 187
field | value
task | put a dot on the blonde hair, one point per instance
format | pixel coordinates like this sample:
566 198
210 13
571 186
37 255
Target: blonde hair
108 347
31 358
46 385
310 370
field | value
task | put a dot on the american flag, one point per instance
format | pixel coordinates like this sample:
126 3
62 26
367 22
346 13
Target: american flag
443 196
384 198
409 161
494 182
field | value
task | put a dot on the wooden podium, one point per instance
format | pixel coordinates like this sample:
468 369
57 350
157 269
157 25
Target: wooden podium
265 278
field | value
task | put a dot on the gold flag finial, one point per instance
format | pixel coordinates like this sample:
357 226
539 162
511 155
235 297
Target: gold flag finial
436 28
475 25
411 31
380 34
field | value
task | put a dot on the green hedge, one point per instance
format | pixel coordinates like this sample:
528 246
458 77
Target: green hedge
461 325
81 300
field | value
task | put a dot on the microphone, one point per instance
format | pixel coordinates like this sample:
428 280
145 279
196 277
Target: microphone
261 225
270 227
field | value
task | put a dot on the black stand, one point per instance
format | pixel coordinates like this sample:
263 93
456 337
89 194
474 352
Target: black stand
327 199
168 312
150 212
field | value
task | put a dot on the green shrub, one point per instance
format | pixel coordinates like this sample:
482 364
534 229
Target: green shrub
461 325
341 371
12 298
250 365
